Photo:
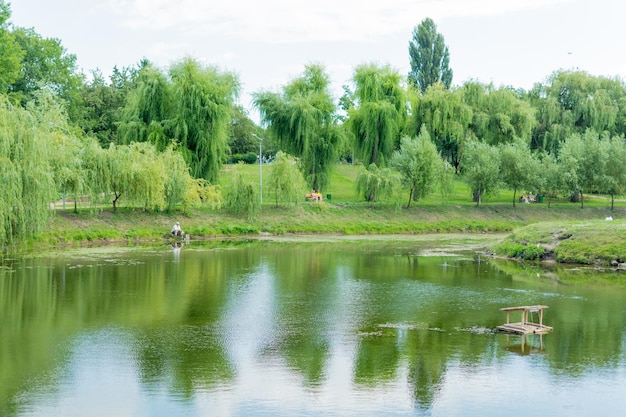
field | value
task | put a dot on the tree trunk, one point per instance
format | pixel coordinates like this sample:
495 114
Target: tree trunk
514 194
612 200
581 199
477 194
117 196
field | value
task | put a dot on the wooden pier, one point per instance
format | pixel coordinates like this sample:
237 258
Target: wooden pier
526 326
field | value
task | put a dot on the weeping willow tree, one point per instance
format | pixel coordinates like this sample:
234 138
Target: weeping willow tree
191 107
148 109
203 106
498 115
25 175
243 196
375 183
133 172
573 102
286 180
379 114
65 145
303 120
446 117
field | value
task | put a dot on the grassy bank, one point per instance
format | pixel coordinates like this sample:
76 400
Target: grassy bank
594 242
343 213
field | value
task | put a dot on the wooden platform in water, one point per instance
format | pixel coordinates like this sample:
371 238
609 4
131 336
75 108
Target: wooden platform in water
526 325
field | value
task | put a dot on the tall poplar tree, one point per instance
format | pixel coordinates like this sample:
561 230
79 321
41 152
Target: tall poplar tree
430 59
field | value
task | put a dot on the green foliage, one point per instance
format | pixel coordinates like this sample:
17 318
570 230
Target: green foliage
573 102
498 115
521 251
380 112
417 162
582 163
240 139
615 168
191 108
243 197
303 120
519 168
286 180
104 105
247 158
374 183
11 54
481 169
179 186
429 56
446 117
46 65
25 174
445 175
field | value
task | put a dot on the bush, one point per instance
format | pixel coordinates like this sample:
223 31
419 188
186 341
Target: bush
519 250
246 158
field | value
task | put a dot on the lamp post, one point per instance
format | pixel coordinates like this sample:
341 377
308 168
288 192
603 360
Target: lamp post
260 165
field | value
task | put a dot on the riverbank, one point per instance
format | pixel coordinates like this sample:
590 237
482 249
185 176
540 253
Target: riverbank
100 227
593 242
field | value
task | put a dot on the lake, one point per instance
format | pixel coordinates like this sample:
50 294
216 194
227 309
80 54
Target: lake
332 326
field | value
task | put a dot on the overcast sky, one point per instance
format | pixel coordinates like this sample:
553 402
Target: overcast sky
268 42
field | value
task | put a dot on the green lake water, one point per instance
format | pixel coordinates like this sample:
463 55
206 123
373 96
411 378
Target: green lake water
324 327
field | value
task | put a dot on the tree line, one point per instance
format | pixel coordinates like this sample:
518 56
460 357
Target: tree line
157 138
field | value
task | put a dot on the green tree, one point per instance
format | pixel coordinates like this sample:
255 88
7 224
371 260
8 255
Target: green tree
240 139
204 98
417 162
518 167
375 183
379 113
190 107
498 115
25 174
242 197
446 117
11 54
286 180
615 167
429 56
573 102
180 188
46 64
65 145
445 176
302 119
104 103
481 169
148 110
583 160
550 178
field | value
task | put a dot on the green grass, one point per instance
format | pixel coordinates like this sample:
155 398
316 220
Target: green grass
593 242
346 213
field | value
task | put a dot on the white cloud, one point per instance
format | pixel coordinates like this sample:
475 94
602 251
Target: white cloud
289 21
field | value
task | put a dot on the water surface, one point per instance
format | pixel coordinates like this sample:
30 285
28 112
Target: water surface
334 327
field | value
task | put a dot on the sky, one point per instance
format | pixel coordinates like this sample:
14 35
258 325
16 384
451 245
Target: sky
267 43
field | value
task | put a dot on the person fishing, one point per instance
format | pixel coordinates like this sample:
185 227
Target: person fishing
176 230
